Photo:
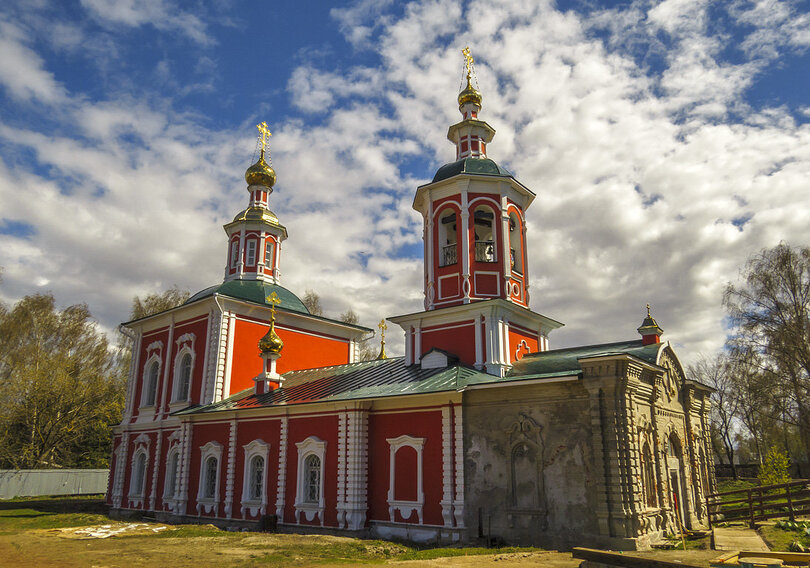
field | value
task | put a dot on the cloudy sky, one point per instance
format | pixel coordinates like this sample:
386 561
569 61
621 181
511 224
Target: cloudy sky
666 143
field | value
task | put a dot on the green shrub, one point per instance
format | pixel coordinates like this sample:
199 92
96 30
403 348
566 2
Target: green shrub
775 469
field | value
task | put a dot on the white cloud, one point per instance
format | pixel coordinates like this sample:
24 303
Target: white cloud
164 15
21 69
654 182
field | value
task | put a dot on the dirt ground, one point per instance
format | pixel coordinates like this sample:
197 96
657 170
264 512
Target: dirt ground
61 547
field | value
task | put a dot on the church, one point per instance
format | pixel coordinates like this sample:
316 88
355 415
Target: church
245 410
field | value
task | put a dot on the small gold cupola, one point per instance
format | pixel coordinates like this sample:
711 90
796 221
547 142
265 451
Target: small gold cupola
261 173
271 342
469 94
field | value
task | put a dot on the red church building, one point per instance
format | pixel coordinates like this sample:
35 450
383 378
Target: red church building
242 405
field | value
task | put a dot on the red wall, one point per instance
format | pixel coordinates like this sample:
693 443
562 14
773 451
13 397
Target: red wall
299 429
458 339
425 424
268 431
301 351
516 335
202 434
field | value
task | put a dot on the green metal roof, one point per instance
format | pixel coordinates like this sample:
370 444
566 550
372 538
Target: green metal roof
367 379
475 166
254 291
558 362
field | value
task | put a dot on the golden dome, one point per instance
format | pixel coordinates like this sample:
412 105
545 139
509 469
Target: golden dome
271 342
469 95
261 173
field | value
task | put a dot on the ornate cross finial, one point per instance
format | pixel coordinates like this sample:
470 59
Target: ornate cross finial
468 60
264 135
273 300
382 327
648 310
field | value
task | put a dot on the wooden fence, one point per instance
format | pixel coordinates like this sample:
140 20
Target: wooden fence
760 503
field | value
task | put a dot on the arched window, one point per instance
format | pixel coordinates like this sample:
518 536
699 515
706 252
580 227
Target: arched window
210 480
516 242
171 475
448 246
256 491
183 378
483 225
138 475
648 477
151 383
312 479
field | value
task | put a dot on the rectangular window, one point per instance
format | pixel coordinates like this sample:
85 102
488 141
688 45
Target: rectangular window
251 253
269 253
234 253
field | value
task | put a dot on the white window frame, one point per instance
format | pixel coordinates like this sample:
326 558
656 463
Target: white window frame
268 258
169 489
312 446
256 448
209 504
137 495
186 349
145 382
235 253
405 508
250 254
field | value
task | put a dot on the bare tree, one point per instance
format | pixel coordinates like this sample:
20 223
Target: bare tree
715 373
312 301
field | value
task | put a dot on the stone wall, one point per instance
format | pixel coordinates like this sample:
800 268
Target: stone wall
528 464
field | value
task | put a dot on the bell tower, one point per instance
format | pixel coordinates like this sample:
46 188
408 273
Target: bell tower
476 263
255 235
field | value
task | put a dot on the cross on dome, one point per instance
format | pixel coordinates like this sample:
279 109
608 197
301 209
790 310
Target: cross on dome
382 327
264 135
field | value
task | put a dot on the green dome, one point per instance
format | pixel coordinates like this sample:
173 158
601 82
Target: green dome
254 291
474 166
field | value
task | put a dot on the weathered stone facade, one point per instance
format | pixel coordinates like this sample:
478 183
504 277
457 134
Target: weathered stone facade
600 455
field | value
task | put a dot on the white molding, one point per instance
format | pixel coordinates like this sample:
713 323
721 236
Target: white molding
137 495
405 508
120 468
170 501
185 350
447 466
230 474
205 503
282 469
497 275
357 469
154 358
154 345
256 449
458 446
312 446
342 466
455 275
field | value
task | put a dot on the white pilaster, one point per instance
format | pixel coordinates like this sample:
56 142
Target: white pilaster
282 469
230 475
409 346
447 466
185 466
357 469
156 469
479 348
341 473
417 344
458 446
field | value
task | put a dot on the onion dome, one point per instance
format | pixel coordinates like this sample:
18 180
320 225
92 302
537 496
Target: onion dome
271 342
469 94
261 173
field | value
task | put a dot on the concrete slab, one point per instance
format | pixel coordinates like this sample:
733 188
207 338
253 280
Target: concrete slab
737 538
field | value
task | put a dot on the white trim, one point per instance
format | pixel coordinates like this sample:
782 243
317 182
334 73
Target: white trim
205 503
447 466
312 446
497 283
458 446
145 387
137 495
185 350
446 327
256 449
282 469
405 508
170 499
230 473
455 275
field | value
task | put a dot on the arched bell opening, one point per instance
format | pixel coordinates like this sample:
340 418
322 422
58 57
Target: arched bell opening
448 237
516 243
484 233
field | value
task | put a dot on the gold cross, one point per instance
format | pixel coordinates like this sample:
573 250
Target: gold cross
274 300
264 134
469 60
382 327
648 310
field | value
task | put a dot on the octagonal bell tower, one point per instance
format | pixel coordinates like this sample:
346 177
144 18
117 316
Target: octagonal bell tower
476 263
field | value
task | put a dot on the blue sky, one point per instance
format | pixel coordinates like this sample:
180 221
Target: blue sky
667 142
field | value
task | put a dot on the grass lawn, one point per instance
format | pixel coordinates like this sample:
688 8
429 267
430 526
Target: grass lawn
42 532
